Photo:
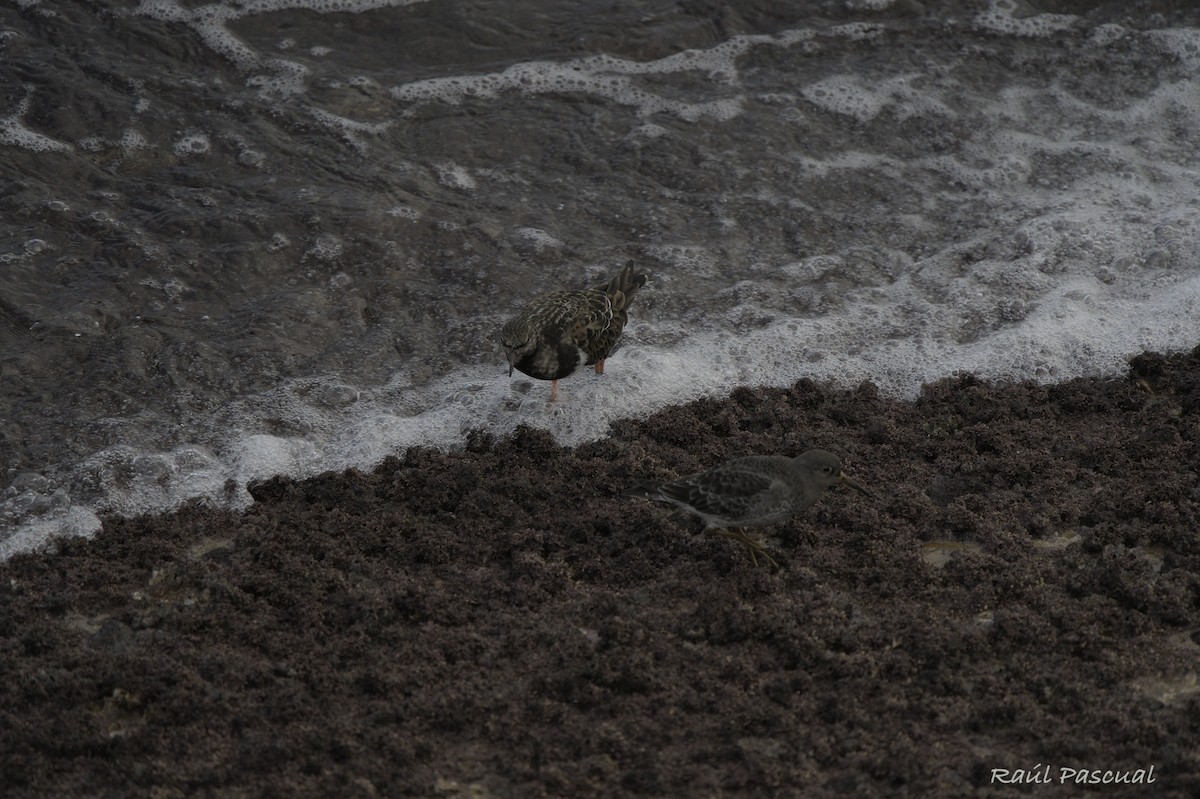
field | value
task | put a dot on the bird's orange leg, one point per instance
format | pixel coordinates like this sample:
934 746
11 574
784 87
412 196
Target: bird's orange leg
600 366
754 546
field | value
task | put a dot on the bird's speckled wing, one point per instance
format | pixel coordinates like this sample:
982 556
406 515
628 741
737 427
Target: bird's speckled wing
598 326
728 491
558 310
610 313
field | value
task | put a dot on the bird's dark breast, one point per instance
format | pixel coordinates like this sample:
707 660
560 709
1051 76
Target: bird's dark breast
553 360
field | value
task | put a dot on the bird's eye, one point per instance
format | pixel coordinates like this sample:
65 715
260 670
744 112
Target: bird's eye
827 469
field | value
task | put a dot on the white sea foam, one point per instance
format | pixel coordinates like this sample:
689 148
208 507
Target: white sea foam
869 5
192 144
350 129
536 239
610 78
852 96
1077 327
34 533
1002 17
454 176
274 77
1183 43
14 133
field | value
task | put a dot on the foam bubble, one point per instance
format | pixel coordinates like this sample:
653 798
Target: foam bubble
326 248
1183 43
404 212
844 94
851 96
1001 17
251 158
869 5
260 456
30 248
454 176
74 522
14 133
857 31
609 77
691 259
192 144
210 22
351 130
1104 35
133 140
284 79
536 239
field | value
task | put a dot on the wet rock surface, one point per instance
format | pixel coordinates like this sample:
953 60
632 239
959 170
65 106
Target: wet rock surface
501 622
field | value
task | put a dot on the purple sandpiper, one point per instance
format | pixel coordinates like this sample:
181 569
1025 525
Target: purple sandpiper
750 492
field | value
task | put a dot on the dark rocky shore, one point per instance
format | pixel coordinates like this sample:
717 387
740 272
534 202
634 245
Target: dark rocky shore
1023 592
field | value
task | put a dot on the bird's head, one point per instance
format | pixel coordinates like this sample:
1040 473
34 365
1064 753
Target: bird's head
825 469
518 340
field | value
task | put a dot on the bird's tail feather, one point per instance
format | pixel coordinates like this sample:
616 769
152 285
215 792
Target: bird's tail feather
647 489
624 285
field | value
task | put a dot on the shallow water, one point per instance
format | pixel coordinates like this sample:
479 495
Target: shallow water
280 236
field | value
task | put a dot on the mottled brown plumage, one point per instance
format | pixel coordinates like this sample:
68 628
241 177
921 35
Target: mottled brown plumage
558 332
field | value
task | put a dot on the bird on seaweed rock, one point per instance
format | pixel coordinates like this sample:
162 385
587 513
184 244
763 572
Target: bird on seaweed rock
751 492
558 332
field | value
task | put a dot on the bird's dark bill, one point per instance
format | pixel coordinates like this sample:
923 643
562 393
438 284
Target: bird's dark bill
842 476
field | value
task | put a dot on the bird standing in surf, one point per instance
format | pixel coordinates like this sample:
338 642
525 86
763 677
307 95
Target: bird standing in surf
558 332
750 492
